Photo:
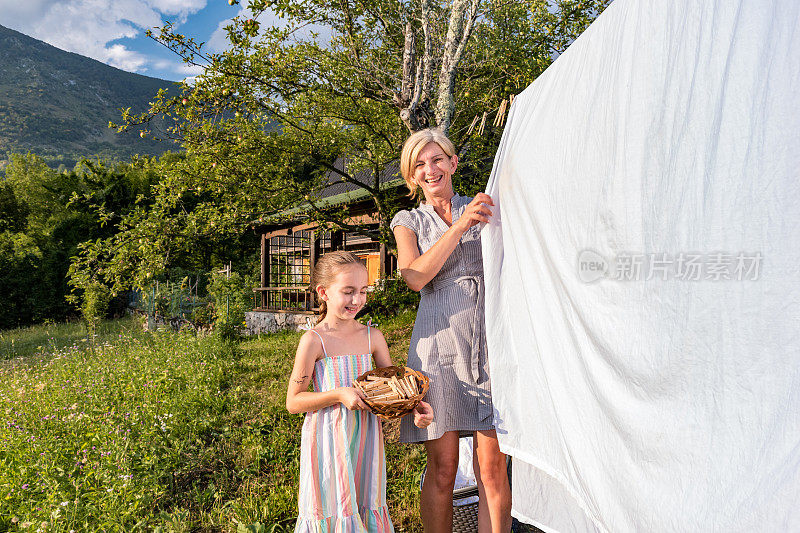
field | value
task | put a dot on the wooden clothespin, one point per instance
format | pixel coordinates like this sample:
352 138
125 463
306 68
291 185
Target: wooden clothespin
506 105
483 123
501 114
472 126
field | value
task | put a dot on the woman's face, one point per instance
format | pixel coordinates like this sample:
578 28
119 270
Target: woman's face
433 171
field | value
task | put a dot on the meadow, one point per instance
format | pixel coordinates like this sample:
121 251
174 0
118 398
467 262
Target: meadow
162 431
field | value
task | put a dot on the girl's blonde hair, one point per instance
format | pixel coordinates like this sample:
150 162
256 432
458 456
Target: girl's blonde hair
414 145
325 271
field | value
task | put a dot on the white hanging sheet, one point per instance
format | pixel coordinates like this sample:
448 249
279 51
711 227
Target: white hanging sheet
643 274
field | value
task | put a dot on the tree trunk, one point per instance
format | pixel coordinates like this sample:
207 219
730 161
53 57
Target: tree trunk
459 29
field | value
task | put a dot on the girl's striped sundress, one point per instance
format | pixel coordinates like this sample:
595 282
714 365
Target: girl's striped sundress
342 462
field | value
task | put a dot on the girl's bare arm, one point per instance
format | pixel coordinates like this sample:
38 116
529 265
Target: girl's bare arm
380 350
298 398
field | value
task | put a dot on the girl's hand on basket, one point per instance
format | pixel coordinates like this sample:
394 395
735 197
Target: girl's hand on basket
423 415
351 398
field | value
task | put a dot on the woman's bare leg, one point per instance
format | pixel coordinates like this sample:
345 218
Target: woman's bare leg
436 501
494 492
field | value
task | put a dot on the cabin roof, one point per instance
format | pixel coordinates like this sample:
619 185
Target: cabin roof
338 192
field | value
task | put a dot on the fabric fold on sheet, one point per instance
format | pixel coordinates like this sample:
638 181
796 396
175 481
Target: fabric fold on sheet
643 275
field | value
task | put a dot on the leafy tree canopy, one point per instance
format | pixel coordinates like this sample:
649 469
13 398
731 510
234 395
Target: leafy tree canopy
45 215
267 119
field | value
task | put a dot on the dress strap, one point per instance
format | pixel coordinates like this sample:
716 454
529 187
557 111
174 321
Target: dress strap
322 341
369 336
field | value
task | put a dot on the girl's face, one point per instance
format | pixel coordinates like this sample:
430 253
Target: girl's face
347 294
434 169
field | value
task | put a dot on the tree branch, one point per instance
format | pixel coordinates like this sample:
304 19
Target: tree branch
459 29
408 65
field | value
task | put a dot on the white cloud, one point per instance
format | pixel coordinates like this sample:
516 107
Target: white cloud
93 28
182 8
218 42
173 7
13 12
189 70
178 67
120 57
90 27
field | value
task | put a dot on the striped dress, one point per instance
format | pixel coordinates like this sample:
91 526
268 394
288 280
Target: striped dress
342 462
448 343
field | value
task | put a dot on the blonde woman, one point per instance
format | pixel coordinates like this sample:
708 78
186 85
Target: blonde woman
439 255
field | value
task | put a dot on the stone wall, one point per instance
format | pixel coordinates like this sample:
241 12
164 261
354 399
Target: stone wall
272 321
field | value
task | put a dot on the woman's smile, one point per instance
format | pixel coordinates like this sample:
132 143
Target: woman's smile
433 169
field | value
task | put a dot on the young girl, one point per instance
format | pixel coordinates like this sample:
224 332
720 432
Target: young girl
342 465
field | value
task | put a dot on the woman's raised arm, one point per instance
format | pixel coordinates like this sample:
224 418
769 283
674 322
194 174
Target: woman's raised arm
417 270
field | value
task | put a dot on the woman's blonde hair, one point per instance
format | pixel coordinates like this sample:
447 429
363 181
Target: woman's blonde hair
326 270
414 145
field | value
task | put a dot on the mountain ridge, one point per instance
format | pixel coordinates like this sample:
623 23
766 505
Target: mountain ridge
58 104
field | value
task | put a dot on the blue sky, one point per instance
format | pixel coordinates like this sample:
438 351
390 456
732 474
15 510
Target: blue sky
113 31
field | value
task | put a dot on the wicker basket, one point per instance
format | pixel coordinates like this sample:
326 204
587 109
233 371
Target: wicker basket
392 392
465 515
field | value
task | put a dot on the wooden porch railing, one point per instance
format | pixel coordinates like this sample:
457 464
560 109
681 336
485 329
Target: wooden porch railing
286 299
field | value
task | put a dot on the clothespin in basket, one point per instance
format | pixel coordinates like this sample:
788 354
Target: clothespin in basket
392 392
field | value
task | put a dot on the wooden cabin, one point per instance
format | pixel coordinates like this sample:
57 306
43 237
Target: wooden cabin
289 249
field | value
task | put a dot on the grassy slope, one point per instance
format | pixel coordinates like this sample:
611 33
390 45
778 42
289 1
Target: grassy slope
173 431
50 338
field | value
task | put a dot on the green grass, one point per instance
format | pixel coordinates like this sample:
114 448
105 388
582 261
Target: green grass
49 338
162 431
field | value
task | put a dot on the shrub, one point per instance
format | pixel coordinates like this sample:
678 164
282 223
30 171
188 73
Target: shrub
390 298
96 298
202 315
172 299
231 297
